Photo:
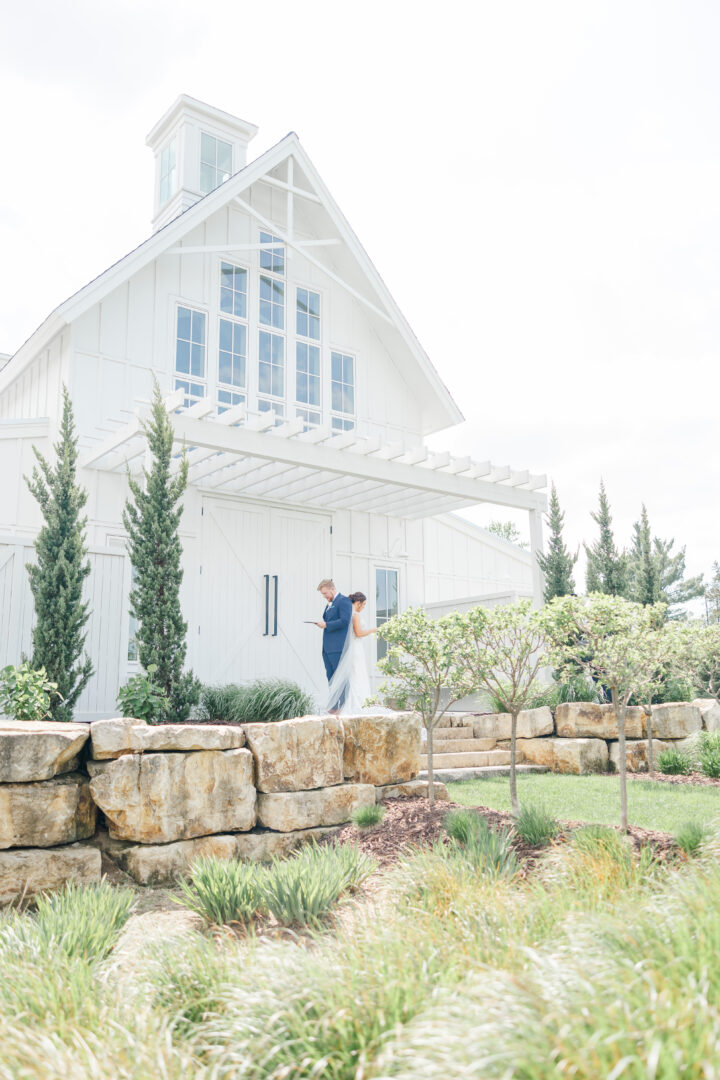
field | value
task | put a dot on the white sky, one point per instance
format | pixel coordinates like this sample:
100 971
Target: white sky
538 184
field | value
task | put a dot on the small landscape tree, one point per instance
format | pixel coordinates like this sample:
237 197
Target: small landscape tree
616 642
56 579
152 517
702 644
557 565
665 653
501 651
712 595
421 669
507 530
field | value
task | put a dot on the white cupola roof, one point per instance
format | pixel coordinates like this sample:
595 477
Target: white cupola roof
196 148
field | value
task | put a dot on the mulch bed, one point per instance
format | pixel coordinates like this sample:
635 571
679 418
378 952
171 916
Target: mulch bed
412 822
698 779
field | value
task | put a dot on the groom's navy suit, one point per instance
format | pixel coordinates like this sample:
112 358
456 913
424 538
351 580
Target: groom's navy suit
337 620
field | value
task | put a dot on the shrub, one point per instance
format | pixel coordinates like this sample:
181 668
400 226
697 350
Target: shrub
143 699
691 836
578 688
222 891
264 700
26 693
536 826
709 753
674 762
301 890
367 816
487 850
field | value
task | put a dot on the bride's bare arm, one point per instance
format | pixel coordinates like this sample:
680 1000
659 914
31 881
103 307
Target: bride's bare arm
357 626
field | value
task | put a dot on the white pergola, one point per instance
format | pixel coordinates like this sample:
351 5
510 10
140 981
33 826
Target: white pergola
249 455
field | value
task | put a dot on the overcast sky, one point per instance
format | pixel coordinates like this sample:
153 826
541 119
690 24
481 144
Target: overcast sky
538 184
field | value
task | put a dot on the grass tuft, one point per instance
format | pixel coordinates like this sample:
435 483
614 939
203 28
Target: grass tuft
536 826
674 762
709 753
487 850
222 891
302 890
367 816
266 700
691 837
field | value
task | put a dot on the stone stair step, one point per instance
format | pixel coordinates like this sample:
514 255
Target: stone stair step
462 746
449 776
452 732
477 759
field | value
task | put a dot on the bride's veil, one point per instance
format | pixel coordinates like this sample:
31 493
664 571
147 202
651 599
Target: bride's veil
340 681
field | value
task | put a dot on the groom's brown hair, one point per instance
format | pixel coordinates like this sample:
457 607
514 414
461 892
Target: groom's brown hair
326 583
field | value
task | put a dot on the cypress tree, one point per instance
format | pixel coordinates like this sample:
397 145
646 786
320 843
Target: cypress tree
152 517
643 578
558 564
606 567
56 580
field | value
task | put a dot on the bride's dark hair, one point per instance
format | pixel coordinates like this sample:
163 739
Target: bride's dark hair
355 596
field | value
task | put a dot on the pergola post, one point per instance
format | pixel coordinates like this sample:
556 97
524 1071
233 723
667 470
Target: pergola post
536 546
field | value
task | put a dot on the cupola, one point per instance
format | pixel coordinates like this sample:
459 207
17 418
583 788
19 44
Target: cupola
196 148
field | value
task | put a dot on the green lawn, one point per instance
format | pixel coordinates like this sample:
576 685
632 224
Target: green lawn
651 804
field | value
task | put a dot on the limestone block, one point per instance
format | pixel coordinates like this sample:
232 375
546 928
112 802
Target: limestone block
382 749
38 749
286 811
585 720
296 755
124 735
710 712
412 789
675 720
636 753
158 798
161 864
28 871
536 751
47 812
531 724
580 756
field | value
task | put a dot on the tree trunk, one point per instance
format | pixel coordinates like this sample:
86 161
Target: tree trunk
431 785
650 755
620 708
515 805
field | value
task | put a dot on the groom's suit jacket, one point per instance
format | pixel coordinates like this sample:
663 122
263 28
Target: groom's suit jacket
337 619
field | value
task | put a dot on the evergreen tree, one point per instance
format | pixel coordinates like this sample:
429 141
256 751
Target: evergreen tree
712 596
152 517
606 566
643 578
558 564
56 580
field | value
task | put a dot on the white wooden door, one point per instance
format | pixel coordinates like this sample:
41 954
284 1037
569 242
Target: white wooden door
260 569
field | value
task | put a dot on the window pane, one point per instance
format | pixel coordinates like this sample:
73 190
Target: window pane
301 391
337 398
182 357
240 339
225 368
224 157
314 303
198 361
314 390
264 379
226 335
226 300
278 350
278 382
198 327
348 400
392 592
278 317
314 359
207 179
264 347
314 328
183 323
240 305
348 369
265 313
336 366
302 300
207 148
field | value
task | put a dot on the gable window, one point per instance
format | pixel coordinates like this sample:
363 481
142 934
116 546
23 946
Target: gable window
272 258
215 162
272 302
167 172
342 391
233 290
307 319
271 365
190 354
232 337
386 602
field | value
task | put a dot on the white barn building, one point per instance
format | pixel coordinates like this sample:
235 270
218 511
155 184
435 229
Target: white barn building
303 399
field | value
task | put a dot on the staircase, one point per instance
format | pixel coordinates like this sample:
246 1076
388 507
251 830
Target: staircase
459 755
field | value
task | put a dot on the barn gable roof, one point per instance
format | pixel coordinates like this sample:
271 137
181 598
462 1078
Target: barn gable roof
438 408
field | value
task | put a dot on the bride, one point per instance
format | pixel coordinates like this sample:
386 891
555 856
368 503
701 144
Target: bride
349 687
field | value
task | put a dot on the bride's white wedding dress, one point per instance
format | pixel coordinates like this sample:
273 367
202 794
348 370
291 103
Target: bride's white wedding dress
349 687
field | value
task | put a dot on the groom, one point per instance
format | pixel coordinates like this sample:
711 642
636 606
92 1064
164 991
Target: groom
334 625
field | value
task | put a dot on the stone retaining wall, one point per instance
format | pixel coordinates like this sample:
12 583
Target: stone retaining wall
155 798
582 737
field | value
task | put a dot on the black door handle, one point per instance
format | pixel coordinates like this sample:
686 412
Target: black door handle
267 605
275 623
